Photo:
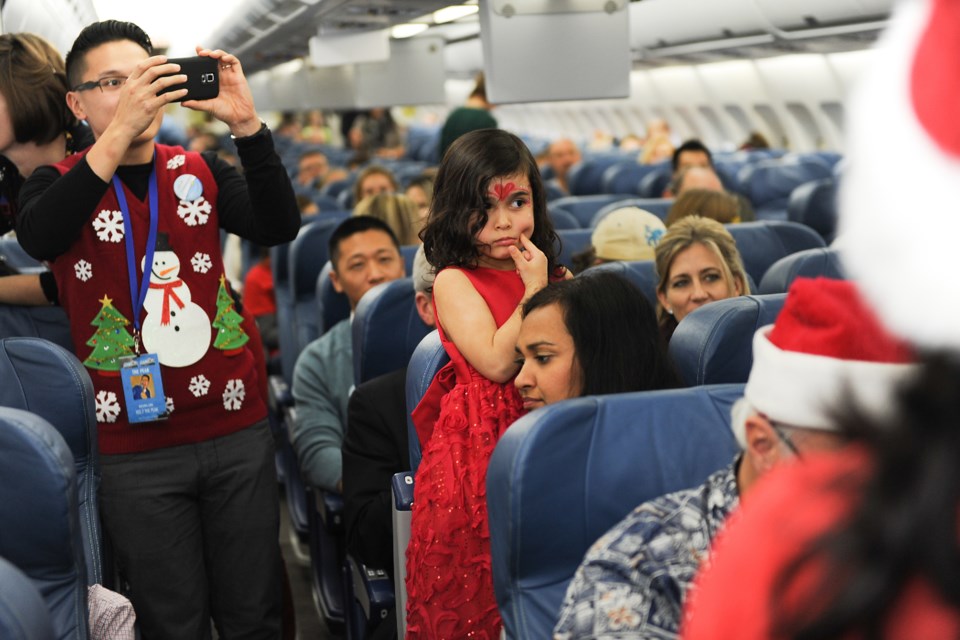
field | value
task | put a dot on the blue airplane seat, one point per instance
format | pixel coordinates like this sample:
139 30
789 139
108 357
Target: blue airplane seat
769 183
42 528
49 323
386 330
714 344
563 475
764 242
327 552
427 359
821 262
308 254
30 368
23 613
586 177
561 218
641 273
553 191
815 205
625 177
656 181
335 188
331 306
659 207
326 203
583 208
572 241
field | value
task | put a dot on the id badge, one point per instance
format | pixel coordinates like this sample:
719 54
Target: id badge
143 388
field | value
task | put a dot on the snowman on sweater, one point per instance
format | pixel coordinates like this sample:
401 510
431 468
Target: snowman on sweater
175 328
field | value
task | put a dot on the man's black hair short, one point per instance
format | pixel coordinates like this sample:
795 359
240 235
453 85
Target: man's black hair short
97 34
690 145
354 225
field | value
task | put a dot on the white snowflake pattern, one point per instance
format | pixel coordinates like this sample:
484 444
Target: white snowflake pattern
84 270
109 226
176 161
201 262
199 385
107 406
169 404
194 213
233 395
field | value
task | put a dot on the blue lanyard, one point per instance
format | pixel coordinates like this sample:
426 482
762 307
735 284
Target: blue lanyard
137 300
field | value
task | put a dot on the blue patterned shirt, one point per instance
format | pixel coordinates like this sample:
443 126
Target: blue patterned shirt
633 580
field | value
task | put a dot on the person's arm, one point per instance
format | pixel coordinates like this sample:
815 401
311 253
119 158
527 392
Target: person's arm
318 432
468 322
260 205
54 208
23 289
374 448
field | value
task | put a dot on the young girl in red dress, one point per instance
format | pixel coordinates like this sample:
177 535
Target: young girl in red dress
492 244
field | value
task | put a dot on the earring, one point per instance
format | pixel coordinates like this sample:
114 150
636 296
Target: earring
670 311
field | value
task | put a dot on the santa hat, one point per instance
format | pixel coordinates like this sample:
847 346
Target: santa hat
904 155
825 346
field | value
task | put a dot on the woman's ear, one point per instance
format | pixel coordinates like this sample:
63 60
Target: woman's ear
662 299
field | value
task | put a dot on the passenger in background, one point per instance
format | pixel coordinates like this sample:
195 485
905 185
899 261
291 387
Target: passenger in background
377 134
373 180
755 140
36 128
375 447
634 580
397 211
692 153
630 142
312 168
697 262
364 252
308 208
658 145
420 190
491 241
260 300
629 234
694 178
475 114
315 128
717 205
589 336
562 154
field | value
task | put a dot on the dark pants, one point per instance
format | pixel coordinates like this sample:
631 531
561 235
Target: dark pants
195 531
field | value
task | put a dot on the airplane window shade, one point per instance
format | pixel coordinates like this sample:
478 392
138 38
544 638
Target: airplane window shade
740 117
769 117
834 113
719 131
807 124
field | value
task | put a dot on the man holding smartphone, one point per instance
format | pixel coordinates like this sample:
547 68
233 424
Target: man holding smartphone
132 231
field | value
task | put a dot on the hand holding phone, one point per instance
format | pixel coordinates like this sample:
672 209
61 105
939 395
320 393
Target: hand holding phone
203 78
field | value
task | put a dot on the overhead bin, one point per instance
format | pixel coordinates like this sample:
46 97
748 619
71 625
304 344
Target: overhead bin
59 21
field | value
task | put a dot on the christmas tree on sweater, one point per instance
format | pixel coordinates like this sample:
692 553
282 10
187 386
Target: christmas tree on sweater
230 335
111 341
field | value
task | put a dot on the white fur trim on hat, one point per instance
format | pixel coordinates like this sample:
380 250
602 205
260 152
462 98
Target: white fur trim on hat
895 167
801 389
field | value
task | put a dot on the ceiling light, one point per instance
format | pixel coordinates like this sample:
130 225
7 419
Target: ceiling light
407 30
454 12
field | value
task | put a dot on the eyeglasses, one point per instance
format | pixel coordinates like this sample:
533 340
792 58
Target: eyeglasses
107 85
785 439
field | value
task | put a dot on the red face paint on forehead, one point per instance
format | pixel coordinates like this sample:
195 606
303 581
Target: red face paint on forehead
503 190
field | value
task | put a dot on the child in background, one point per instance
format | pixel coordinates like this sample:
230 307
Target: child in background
492 244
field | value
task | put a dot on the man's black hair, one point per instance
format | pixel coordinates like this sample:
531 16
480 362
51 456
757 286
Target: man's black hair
690 145
354 225
97 34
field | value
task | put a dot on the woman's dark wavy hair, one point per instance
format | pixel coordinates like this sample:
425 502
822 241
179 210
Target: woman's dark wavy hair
615 335
459 208
34 84
903 524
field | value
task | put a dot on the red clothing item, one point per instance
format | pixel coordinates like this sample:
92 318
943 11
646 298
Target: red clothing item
258 296
211 382
778 520
449 579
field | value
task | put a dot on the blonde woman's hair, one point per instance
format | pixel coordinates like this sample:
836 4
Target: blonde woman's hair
399 213
681 236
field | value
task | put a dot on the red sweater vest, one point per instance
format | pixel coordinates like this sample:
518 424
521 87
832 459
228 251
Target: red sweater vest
208 371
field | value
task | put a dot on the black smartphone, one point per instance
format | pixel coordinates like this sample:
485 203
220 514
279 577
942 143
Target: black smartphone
203 78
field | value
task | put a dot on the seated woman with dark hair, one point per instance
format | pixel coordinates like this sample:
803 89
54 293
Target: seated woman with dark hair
589 336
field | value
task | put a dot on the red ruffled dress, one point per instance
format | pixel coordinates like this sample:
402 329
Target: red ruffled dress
449 580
